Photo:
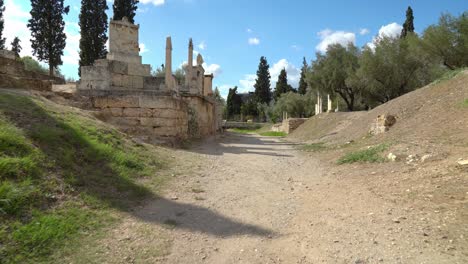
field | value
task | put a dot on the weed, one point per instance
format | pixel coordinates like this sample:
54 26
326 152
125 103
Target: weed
371 154
170 223
314 147
197 190
273 134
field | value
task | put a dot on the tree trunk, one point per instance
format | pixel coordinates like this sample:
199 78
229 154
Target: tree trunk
51 70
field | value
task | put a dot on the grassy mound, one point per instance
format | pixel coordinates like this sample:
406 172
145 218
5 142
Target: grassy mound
61 174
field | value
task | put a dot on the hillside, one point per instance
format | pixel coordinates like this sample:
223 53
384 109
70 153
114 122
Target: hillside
64 176
433 113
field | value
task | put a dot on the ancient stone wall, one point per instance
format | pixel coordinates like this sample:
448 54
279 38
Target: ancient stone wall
203 110
289 125
13 74
149 116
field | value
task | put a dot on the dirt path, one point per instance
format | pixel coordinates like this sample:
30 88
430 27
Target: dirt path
258 200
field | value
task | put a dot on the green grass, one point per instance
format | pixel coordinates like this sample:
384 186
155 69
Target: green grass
372 154
61 175
464 103
273 134
243 130
449 75
314 147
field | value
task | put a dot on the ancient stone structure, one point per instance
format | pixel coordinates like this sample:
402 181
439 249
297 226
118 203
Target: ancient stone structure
13 74
288 125
382 124
125 93
319 105
329 104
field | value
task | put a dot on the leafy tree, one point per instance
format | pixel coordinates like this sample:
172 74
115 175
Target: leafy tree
233 103
448 41
2 39
395 67
217 96
249 108
295 104
332 73
47 31
262 83
16 47
302 82
93 28
125 8
31 64
180 76
282 85
159 72
408 26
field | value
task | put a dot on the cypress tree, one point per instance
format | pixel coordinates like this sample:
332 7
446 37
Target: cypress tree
262 83
125 8
47 31
93 28
16 47
2 39
302 82
282 85
408 26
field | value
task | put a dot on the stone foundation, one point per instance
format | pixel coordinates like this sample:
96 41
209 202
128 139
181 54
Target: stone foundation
289 125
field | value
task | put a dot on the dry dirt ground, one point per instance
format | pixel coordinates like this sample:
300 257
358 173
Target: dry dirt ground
252 199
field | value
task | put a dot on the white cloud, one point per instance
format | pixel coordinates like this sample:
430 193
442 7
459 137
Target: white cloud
247 84
16 20
363 31
249 30
202 45
143 48
224 89
154 2
214 69
294 74
330 37
254 41
392 30
71 52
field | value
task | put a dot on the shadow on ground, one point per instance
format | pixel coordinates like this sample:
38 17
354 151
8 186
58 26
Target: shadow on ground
75 158
230 142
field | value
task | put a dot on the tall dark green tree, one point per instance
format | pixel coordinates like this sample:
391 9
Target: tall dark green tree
47 31
282 85
233 103
262 83
93 27
302 82
2 39
16 47
125 8
408 26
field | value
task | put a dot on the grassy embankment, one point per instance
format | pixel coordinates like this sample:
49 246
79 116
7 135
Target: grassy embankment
62 175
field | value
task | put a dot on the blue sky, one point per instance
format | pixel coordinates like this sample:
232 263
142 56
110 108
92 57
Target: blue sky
233 34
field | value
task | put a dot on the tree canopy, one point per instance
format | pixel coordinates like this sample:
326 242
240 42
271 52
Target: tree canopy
125 8
302 89
282 85
16 47
262 83
47 31
334 71
408 25
2 23
93 29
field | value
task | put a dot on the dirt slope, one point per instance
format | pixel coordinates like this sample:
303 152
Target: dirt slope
430 113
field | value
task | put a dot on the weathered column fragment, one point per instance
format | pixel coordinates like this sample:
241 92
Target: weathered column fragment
168 66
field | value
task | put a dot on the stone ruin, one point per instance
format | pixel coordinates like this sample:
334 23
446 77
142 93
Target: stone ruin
382 124
155 109
13 74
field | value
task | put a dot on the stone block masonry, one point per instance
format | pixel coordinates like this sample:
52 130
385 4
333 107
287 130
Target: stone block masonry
125 94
